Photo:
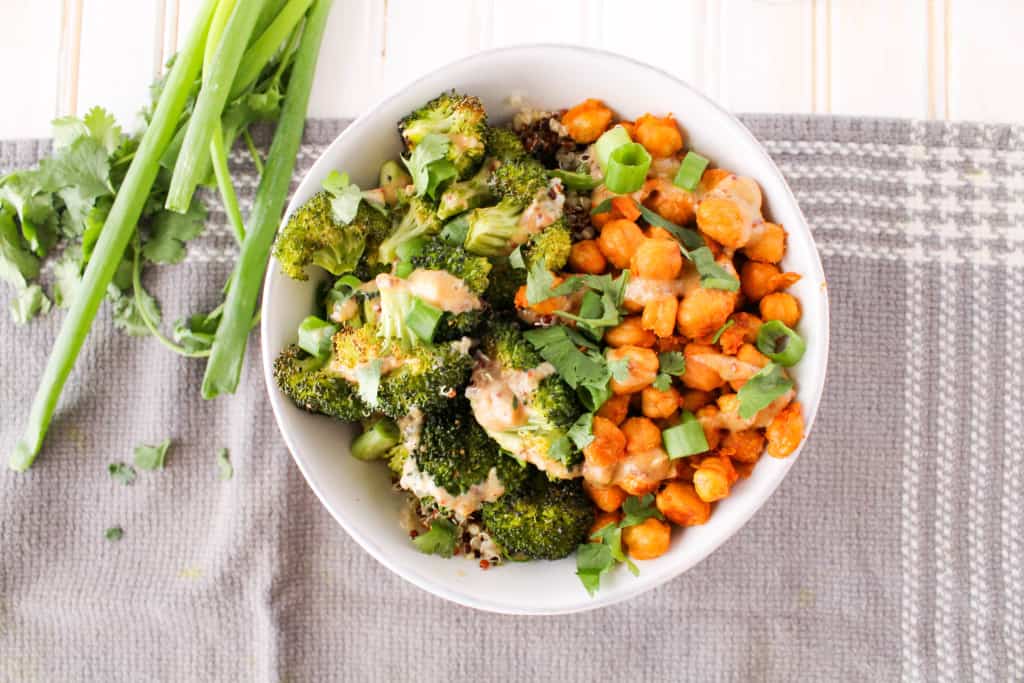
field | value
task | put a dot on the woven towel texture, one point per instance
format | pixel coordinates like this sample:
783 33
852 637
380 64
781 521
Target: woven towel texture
893 550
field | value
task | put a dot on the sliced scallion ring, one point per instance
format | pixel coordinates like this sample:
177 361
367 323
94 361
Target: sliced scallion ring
627 168
777 341
609 141
686 438
422 319
690 171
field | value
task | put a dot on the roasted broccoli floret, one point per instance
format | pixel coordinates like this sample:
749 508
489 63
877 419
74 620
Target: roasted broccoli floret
393 183
313 237
438 255
552 246
419 220
540 405
467 194
313 386
454 454
505 282
520 180
503 144
492 229
544 520
459 117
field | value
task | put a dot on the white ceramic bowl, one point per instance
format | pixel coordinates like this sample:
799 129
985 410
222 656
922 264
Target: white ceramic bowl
359 495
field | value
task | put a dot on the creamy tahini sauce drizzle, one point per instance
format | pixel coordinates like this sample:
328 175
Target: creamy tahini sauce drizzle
746 195
542 212
387 364
422 484
436 287
729 368
731 420
640 469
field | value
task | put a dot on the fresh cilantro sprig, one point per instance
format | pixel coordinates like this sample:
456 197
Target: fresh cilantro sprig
759 391
595 559
670 364
225 470
152 457
122 473
439 540
429 166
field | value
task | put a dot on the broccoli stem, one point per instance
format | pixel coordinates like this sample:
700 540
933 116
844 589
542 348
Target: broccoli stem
117 232
219 157
191 164
266 46
228 351
376 441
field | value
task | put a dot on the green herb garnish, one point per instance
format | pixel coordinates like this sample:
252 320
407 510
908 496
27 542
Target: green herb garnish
151 457
121 472
439 540
225 470
762 389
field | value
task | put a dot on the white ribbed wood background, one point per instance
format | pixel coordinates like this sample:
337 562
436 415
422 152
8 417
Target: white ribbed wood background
941 59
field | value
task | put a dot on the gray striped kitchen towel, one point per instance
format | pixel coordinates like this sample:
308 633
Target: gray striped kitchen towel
894 549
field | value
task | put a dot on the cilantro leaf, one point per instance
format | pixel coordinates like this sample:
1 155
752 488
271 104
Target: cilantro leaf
574 366
561 449
582 431
439 540
151 457
712 275
540 284
29 302
225 470
619 369
67 129
662 382
67 277
114 533
196 332
593 560
672 363
84 164
759 391
18 264
638 510
126 310
102 127
428 164
368 377
515 259
169 231
345 196
121 473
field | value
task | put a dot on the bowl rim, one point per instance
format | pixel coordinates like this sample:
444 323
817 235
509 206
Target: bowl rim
634 588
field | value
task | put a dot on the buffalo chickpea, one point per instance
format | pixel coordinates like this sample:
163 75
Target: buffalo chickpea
713 478
748 353
630 332
655 233
698 375
660 136
619 240
641 368
680 503
545 307
602 520
743 331
659 316
745 446
586 257
694 399
669 201
758 280
658 404
785 431
722 220
608 445
606 498
702 311
647 540
615 409
712 434
711 178
587 120
781 306
641 435
769 246
657 260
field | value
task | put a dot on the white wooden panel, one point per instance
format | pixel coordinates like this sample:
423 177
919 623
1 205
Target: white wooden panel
879 58
766 62
29 52
544 21
412 46
985 60
111 31
349 71
673 35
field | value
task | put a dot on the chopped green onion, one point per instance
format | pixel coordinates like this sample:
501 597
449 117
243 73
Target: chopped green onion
403 269
760 390
342 290
315 337
423 318
377 440
576 181
690 171
610 141
414 247
690 239
718 335
627 168
777 341
686 438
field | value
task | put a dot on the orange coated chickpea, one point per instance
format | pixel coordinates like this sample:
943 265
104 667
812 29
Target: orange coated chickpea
711 178
660 136
680 503
655 233
630 332
647 540
758 280
713 435
657 260
745 446
608 445
702 311
619 240
781 306
602 520
545 307
769 246
694 399
641 435
606 498
669 201
587 120
785 431
743 331
659 316
586 257
615 409
642 368
748 353
658 404
713 478
722 220
698 375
